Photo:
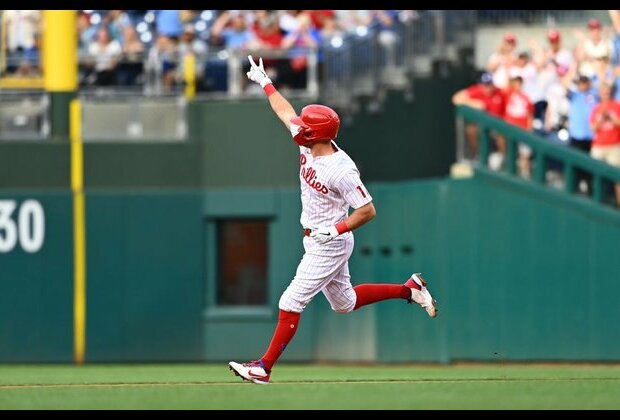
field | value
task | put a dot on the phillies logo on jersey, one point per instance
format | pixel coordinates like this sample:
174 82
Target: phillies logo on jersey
309 175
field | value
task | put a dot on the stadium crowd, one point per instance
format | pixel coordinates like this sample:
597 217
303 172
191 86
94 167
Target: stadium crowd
568 96
116 45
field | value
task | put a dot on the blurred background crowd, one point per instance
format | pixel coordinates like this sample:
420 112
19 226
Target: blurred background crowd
568 95
118 46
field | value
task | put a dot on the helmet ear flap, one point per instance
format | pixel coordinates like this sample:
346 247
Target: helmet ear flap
303 135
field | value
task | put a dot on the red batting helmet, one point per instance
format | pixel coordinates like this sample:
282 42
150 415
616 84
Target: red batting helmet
317 122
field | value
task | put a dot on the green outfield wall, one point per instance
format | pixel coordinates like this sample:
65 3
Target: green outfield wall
518 273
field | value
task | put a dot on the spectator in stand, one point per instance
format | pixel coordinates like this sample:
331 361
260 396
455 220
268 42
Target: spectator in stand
22 31
557 103
330 29
501 61
603 72
288 20
350 20
386 21
106 53
594 47
131 65
318 17
605 124
555 54
525 68
267 30
116 21
298 41
86 32
550 62
270 36
484 96
519 111
164 53
583 98
230 28
168 23
190 44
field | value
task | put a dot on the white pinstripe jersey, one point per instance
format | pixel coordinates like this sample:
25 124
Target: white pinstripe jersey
329 186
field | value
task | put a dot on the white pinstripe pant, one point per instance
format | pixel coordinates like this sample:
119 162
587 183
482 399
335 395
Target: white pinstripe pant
323 268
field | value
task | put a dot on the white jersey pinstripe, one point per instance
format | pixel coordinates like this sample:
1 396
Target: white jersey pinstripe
329 186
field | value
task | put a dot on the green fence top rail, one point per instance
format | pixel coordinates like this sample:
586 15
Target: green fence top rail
569 157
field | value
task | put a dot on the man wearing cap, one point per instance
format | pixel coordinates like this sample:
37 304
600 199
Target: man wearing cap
592 48
555 54
500 61
533 87
484 96
582 99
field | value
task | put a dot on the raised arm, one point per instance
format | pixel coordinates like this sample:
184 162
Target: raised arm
283 108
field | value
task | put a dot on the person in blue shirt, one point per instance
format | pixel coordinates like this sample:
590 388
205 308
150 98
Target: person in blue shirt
583 98
231 28
168 22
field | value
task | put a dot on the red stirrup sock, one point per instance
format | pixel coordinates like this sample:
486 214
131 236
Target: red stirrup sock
371 293
285 330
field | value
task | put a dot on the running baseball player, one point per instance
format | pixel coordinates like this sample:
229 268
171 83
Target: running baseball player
330 184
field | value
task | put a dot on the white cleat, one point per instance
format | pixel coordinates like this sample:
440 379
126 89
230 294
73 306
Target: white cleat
253 371
422 297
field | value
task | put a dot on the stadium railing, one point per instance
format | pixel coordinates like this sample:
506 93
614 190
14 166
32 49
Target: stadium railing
545 154
548 17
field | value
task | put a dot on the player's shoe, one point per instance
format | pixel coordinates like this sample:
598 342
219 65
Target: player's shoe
253 371
422 296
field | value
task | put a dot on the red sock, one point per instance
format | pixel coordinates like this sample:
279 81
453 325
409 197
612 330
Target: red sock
285 330
371 293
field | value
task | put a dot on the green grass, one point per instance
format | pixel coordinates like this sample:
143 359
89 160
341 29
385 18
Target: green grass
201 386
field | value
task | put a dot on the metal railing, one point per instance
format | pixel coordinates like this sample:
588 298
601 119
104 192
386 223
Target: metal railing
219 73
371 60
545 153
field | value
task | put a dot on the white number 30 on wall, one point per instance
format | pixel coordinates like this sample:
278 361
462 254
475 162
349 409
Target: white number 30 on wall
29 229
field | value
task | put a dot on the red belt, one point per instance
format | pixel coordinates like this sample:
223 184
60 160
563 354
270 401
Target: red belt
307 232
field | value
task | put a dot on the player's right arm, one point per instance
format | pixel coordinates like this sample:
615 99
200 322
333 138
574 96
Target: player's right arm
283 108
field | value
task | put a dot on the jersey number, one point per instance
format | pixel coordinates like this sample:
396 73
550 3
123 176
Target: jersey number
359 188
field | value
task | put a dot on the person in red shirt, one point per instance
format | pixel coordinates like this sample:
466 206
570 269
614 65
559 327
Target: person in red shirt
605 123
519 111
318 17
484 96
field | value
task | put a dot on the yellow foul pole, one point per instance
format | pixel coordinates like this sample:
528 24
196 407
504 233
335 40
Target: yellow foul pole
60 65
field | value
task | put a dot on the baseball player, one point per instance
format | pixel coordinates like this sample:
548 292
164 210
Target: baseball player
330 184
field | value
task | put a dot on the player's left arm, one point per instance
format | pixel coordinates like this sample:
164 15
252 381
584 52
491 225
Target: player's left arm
355 194
360 216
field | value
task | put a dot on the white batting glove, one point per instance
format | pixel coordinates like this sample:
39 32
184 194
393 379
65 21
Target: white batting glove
324 234
257 73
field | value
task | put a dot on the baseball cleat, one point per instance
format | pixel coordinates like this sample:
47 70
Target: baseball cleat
421 295
253 371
